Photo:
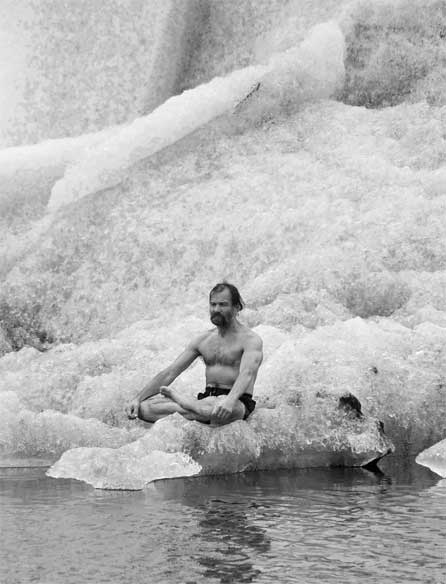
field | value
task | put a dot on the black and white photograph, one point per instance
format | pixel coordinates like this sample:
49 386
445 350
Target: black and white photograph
223 291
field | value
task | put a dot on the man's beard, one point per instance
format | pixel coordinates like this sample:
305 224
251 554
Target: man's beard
218 319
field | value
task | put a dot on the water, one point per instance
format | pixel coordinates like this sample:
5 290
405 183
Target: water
345 525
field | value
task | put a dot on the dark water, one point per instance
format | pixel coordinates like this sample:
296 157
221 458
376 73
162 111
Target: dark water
321 526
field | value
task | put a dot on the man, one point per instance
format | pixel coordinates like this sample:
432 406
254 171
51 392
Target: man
232 354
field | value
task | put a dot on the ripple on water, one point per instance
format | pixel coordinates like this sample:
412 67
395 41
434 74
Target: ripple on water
316 526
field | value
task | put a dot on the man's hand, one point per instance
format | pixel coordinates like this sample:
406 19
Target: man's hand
132 409
222 412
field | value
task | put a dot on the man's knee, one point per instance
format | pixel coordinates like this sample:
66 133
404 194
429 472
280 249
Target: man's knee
146 411
239 412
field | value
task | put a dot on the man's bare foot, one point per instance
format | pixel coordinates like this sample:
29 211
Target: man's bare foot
172 394
201 409
166 391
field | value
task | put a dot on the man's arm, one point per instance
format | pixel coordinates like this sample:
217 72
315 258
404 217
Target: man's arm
249 367
170 373
164 377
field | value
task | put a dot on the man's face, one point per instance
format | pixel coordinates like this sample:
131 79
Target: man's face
221 309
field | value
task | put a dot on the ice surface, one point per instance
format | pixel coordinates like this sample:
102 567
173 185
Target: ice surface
328 216
64 72
395 52
75 395
107 468
30 171
245 32
315 67
285 437
434 458
47 434
98 160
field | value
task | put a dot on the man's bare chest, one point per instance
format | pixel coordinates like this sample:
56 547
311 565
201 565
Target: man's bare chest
217 351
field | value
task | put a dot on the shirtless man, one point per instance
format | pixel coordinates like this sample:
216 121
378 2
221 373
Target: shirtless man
232 354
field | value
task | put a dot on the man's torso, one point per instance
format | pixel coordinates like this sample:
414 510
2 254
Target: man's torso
222 356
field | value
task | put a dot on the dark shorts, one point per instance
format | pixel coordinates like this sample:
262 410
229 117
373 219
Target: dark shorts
245 398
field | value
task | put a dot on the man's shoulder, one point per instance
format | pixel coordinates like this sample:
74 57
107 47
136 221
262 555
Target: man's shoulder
252 339
202 337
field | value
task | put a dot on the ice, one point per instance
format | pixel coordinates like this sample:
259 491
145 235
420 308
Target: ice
327 215
434 458
28 172
394 53
47 434
92 379
280 438
246 32
296 424
73 167
68 70
315 68
107 468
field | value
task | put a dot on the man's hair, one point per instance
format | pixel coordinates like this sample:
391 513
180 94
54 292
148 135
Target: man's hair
236 299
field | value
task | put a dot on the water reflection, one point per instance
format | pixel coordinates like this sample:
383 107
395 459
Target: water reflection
439 489
20 485
227 539
304 513
237 515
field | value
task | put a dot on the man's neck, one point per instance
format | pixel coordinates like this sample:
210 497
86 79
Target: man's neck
231 327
